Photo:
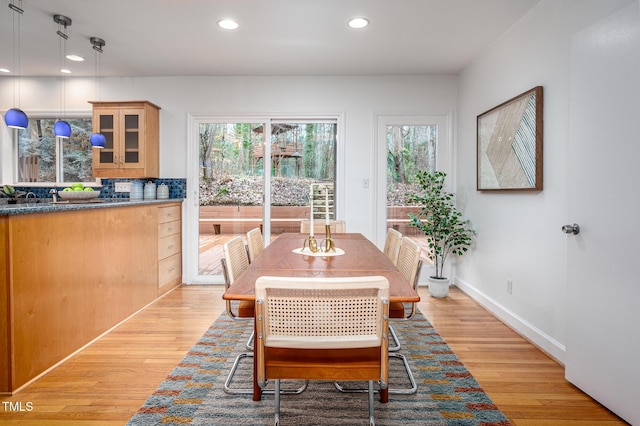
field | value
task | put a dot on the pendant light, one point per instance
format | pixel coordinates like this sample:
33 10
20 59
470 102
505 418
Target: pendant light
62 129
15 117
97 139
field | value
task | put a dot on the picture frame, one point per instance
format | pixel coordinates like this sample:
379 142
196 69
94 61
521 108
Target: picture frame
509 144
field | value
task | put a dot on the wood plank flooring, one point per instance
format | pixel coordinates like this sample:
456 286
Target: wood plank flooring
105 383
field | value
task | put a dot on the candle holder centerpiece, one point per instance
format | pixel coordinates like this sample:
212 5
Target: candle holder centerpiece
329 244
326 245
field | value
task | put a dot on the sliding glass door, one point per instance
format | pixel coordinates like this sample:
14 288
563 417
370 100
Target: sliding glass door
245 166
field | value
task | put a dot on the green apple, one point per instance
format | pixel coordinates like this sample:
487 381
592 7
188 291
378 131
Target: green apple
88 189
77 186
67 190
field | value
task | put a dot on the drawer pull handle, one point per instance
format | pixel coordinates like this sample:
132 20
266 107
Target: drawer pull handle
171 246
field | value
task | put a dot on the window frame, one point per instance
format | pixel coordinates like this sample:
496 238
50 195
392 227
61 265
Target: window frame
12 160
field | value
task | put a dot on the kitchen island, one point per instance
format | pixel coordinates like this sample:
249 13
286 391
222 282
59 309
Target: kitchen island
71 272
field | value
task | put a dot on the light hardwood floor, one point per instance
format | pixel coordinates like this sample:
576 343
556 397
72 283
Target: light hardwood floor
105 383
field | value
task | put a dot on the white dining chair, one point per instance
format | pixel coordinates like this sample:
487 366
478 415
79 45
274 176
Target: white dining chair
336 226
322 329
255 243
392 244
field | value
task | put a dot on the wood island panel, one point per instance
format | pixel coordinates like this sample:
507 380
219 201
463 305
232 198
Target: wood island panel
70 277
5 344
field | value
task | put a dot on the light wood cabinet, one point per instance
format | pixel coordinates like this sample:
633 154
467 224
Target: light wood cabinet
132 133
169 247
68 276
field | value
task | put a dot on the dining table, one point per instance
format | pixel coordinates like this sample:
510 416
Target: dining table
354 256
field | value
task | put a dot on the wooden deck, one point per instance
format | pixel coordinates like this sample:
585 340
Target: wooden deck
210 251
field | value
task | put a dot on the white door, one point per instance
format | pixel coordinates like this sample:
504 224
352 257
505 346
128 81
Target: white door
443 158
603 288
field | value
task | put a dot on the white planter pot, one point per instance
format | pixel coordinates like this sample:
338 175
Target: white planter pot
438 287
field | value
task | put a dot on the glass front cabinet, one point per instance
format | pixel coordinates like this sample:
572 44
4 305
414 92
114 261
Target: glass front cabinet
132 132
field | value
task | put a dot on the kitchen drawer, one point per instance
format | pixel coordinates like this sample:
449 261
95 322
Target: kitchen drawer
169 228
170 270
168 246
169 213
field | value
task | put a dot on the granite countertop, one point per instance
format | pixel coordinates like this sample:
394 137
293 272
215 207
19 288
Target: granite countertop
47 206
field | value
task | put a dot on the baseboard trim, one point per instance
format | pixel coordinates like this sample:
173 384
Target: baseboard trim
537 337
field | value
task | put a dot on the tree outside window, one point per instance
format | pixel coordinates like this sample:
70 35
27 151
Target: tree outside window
38 158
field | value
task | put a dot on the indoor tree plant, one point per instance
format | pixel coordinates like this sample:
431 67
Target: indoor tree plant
446 231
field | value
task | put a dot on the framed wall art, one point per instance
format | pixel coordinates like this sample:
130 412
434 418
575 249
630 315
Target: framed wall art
510 144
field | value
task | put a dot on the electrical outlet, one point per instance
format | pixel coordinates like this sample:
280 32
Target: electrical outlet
509 286
123 187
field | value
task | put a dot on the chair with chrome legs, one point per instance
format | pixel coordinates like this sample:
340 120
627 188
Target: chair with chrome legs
335 226
392 245
322 329
255 243
235 262
392 250
409 264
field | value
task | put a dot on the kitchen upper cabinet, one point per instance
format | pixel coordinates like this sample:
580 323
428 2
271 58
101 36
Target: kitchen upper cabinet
132 132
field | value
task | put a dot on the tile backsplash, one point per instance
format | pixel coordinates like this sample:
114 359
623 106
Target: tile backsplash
177 188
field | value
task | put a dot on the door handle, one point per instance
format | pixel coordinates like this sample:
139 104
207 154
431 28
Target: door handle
571 229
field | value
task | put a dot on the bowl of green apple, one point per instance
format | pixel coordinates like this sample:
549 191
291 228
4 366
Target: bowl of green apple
78 192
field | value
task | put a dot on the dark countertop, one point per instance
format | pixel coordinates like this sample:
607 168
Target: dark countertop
46 206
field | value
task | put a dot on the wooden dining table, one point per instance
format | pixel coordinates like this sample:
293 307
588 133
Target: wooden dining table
356 256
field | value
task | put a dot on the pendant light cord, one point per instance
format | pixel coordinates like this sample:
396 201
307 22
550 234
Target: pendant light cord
17 11
62 76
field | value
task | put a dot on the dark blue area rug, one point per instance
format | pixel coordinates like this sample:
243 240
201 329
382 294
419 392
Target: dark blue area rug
193 393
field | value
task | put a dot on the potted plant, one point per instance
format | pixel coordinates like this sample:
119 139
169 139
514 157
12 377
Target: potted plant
439 219
10 191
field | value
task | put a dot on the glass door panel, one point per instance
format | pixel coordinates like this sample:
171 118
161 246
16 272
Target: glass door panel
410 148
106 127
131 138
231 187
302 153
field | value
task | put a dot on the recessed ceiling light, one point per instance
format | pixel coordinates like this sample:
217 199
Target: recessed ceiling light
65 71
4 70
358 23
75 58
228 24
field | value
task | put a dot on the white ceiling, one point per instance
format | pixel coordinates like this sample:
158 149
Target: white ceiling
276 37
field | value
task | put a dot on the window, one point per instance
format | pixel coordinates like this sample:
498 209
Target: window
42 158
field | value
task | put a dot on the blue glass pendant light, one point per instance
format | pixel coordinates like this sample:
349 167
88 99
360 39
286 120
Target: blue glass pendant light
97 139
15 117
62 129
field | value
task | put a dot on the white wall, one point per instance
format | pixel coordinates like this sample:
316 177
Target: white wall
519 235
359 98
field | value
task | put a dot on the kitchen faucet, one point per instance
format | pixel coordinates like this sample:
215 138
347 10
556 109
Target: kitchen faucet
54 195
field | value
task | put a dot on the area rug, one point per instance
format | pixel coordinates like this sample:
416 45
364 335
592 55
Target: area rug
193 393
